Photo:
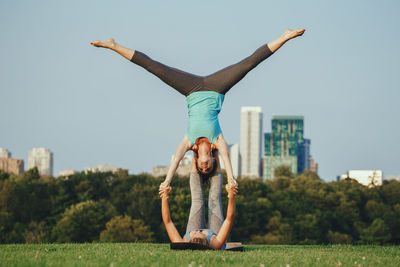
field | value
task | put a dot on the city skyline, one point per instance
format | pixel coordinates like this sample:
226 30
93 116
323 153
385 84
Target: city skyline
310 164
16 166
61 93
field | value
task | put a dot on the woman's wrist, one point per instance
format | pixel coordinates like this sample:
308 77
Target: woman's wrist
166 182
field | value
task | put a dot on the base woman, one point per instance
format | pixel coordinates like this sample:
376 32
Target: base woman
206 237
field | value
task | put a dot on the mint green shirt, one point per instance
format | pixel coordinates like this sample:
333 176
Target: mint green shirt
204 107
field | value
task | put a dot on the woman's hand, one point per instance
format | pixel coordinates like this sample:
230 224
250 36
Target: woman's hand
232 182
164 184
232 190
163 192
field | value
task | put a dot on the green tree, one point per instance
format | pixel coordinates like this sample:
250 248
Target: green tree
83 222
283 171
124 229
375 209
376 233
310 174
3 175
26 197
277 232
338 238
253 209
37 233
6 227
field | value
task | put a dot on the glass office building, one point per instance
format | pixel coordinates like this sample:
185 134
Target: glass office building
285 145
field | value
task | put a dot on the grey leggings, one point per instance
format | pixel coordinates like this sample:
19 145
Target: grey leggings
196 216
186 83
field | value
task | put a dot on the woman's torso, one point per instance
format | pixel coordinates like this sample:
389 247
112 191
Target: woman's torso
208 232
204 107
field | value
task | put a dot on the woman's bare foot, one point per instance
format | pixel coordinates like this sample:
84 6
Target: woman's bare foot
110 43
286 36
290 34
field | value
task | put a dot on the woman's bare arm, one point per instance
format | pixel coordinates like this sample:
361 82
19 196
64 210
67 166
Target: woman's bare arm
222 147
180 152
215 155
173 234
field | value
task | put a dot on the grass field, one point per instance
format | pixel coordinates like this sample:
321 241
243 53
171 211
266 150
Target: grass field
136 254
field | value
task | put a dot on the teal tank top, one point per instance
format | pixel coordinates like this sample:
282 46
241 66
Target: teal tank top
204 107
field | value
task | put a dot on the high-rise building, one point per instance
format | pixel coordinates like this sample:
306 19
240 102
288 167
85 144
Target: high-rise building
4 153
285 145
306 154
250 141
41 158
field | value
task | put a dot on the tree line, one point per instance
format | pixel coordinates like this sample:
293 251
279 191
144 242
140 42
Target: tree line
117 207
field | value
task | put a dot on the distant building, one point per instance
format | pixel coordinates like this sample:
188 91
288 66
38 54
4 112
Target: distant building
306 154
392 177
286 145
235 159
41 158
67 172
250 141
4 153
14 166
366 177
184 168
101 168
159 171
313 165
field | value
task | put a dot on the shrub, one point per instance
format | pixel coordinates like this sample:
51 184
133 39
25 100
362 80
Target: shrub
124 229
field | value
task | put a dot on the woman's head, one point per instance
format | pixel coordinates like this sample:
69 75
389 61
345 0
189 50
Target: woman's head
199 238
204 156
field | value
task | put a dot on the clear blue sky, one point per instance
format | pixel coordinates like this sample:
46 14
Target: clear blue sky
90 106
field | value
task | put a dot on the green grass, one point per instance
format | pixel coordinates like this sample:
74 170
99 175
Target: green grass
131 254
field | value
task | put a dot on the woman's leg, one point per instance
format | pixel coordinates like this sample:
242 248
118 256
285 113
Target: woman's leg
185 83
226 78
215 215
196 215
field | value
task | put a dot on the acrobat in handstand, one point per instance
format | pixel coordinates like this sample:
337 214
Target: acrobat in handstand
204 96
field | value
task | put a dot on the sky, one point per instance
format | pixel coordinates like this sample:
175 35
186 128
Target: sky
90 106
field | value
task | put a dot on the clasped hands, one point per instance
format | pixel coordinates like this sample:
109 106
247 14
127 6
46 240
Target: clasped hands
165 189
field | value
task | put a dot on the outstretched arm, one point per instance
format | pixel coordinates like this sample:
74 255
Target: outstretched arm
222 147
180 152
223 233
173 234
